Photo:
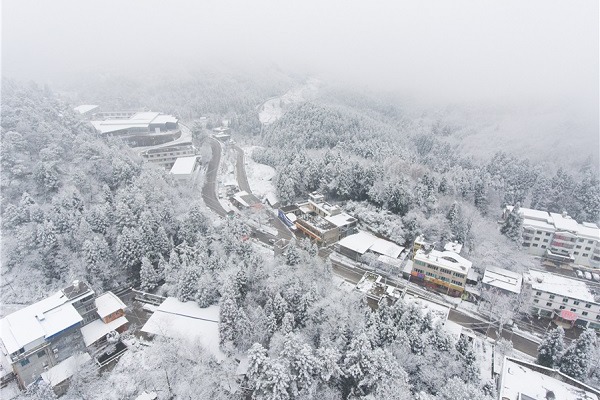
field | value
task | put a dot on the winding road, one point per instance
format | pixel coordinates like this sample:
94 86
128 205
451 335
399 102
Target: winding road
209 191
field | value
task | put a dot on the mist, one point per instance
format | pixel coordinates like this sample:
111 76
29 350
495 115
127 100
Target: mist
438 52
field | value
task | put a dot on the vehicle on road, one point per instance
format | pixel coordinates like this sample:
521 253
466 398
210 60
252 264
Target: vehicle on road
588 276
579 274
272 241
596 277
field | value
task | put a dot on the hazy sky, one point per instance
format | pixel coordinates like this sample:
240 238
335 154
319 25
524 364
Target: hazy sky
466 50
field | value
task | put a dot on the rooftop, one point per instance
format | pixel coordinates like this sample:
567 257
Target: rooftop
445 259
362 241
184 165
187 321
560 285
137 120
439 312
341 219
454 247
84 108
521 380
503 279
557 222
65 369
97 329
108 303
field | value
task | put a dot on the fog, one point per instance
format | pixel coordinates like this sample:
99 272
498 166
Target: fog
442 51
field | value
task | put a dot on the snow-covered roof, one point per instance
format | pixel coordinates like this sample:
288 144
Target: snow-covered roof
520 379
187 321
560 285
362 241
108 303
147 396
537 224
503 279
341 219
395 262
445 259
85 108
38 321
453 329
137 120
65 369
453 246
271 198
164 118
546 221
184 165
97 329
564 223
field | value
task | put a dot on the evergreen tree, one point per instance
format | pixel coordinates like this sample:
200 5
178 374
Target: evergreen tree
187 286
575 362
512 227
149 277
551 348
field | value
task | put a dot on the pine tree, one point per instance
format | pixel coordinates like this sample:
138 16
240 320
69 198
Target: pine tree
187 286
575 362
513 225
149 277
551 348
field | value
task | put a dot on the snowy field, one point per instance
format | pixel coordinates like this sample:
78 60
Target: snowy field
260 176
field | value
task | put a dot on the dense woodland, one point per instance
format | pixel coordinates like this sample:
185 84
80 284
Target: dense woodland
75 206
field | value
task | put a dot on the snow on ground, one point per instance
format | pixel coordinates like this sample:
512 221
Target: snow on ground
484 353
260 176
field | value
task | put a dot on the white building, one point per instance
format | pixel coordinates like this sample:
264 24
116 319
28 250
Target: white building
184 167
560 238
441 270
358 244
503 279
564 299
87 109
521 380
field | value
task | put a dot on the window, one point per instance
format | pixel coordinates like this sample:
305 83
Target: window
588 248
537 238
572 309
588 306
576 302
576 253
584 313
585 254
535 245
598 317
538 232
547 233
578 247
552 296
565 299
543 246
24 362
536 301
41 354
562 307
590 242
538 293
545 240
549 304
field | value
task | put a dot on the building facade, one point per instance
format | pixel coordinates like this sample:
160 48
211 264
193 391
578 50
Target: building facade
563 299
559 238
445 271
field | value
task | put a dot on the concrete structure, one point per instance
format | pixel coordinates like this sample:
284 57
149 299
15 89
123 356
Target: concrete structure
184 167
139 129
244 200
521 380
559 238
357 245
165 155
111 311
503 280
442 270
565 300
42 335
87 109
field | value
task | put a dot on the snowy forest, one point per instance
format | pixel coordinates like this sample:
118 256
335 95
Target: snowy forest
113 220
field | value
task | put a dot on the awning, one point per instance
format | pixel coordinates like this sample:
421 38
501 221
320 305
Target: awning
568 315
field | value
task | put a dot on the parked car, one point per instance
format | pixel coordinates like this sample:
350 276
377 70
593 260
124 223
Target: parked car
596 277
588 275
579 274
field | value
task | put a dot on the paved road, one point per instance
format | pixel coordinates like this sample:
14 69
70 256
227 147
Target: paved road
353 274
209 191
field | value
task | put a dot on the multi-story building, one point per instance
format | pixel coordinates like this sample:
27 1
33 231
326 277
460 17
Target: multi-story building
441 270
166 154
140 129
559 238
564 299
47 338
44 334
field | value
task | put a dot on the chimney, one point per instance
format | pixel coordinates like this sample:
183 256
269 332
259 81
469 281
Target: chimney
564 214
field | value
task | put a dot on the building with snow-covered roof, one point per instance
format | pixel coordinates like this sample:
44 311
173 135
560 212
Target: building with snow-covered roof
566 300
145 128
356 245
184 167
502 279
187 321
441 270
45 333
559 238
521 380
87 109
57 377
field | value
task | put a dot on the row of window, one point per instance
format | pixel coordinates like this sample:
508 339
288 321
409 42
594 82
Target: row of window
560 237
564 300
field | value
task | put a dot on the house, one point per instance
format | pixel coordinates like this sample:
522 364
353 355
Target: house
521 380
357 245
58 376
559 238
187 321
345 223
567 301
44 334
444 271
503 280
111 311
244 200
184 167
166 154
